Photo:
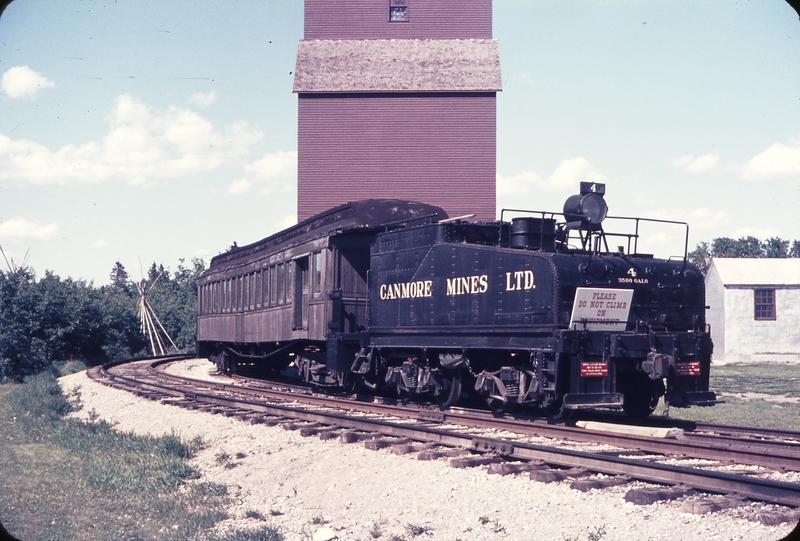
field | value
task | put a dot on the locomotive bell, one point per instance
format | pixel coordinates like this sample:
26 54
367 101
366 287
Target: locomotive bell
588 207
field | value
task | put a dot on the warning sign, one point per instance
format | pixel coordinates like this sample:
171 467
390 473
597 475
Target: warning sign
598 309
691 368
596 369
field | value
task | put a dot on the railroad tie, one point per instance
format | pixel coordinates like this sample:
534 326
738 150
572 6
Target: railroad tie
382 443
351 436
551 476
436 455
585 485
406 448
472 461
711 504
647 496
506 468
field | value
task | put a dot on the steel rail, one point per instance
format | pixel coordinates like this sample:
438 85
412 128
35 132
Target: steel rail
703 480
762 454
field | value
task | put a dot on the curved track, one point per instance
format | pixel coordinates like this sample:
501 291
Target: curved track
702 460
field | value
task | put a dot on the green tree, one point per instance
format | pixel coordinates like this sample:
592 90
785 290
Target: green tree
743 247
701 256
776 248
22 350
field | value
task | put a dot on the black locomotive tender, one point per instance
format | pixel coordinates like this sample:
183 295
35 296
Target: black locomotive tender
395 296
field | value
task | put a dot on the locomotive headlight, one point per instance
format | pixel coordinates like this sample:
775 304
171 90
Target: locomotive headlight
589 208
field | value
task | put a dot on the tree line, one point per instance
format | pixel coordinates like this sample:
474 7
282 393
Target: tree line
50 320
744 247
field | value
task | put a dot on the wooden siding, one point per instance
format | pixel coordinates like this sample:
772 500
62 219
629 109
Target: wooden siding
397 65
369 19
435 148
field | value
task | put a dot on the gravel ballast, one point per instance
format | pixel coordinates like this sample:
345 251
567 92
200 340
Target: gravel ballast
307 486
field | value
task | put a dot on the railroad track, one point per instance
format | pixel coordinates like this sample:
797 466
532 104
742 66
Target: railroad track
688 461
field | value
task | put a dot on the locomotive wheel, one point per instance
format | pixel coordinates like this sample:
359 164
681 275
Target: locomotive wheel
642 400
498 407
449 389
556 412
640 404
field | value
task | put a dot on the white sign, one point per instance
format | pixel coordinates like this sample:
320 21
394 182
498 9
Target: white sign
597 309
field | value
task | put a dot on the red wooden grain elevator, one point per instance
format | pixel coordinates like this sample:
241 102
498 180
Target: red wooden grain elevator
397 99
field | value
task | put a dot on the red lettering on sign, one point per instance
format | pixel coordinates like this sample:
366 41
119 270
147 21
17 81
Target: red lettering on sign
597 369
688 369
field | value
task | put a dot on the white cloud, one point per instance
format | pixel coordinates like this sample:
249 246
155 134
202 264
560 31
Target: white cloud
761 234
565 178
704 218
203 100
100 243
778 162
690 164
287 221
23 82
240 186
274 165
141 147
569 173
19 228
274 172
519 184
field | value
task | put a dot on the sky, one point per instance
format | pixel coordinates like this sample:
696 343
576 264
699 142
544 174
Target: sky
164 131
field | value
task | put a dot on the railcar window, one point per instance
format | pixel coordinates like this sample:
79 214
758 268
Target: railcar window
764 304
316 282
257 301
246 294
281 280
265 288
273 288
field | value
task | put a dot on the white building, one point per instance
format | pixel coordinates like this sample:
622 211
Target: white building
754 309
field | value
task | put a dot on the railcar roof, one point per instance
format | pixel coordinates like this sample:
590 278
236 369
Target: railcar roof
356 215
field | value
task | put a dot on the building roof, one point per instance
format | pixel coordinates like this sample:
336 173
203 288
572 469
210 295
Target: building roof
757 272
398 65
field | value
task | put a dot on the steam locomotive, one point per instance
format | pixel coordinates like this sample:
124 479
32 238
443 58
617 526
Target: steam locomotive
397 297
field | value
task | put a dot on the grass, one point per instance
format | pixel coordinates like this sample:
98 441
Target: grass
61 478
733 380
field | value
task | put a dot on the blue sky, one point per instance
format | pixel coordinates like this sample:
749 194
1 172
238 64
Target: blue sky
134 131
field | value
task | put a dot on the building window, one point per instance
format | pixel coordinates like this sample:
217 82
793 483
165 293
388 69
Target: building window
398 10
764 304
